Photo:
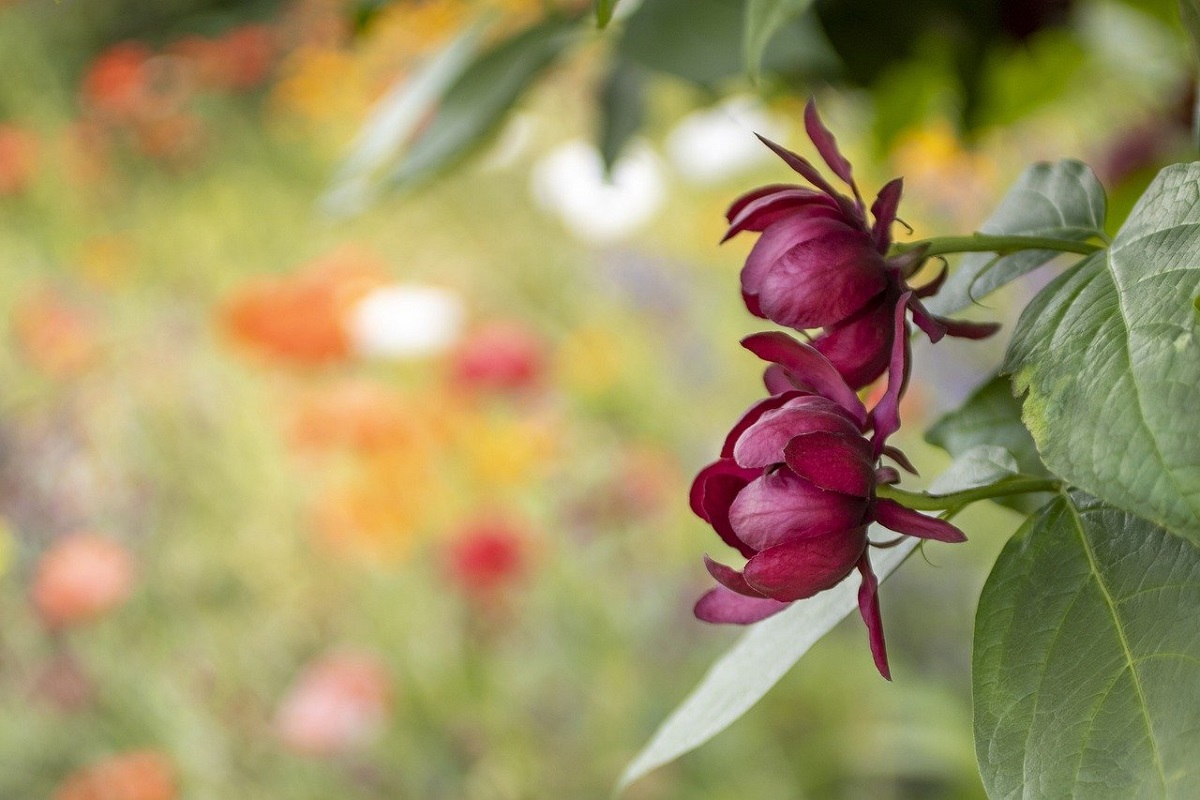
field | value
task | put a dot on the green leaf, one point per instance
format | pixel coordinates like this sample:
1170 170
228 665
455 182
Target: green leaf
604 12
1087 659
981 465
764 653
992 416
764 18
477 102
1108 356
397 116
1063 200
622 109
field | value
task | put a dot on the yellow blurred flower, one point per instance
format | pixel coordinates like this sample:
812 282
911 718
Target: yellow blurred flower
506 453
321 85
589 361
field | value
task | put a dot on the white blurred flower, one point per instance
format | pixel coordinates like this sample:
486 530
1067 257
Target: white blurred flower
718 143
405 321
570 182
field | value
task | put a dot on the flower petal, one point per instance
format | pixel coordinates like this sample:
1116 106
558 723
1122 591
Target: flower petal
801 568
902 519
806 169
868 606
808 367
761 212
720 605
780 238
780 506
827 146
927 322
968 330
860 346
897 455
884 212
712 495
762 444
755 412
887 475
730 578
835 461
776 379
932 288
822 279
886 413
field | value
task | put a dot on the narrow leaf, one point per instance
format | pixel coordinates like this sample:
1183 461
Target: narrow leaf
766 651
478 100
604 12
764 18
1108 356
622 109
1087 659
397 116
1063 200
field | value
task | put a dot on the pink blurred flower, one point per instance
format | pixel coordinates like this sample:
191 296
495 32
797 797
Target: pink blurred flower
18 159
500 357
80 578
340 703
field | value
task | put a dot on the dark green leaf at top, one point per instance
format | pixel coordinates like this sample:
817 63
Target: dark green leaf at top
604 11
1063 200
764 18
1086 659
1108 358
992 416
622 109
476 104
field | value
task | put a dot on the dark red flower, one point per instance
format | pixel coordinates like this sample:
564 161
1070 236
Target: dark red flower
822 262
794 488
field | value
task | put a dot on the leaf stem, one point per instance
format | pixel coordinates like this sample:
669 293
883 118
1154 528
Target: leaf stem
920 501
1000 244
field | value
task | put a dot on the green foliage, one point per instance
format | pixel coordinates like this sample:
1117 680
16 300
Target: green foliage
1063 200
764 18
622 109
992 416
1087 659
475 105
604 11
1108 357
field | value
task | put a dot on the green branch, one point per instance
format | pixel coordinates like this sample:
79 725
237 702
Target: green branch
988 243
921 501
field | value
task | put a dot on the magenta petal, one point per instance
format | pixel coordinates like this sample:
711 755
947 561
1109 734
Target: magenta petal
763 443
884 212
868 606
730 578
762 212
860 347
886 413
736 207
802 166
713 493
807 366
897 455
755 412
823 279
902 519
780 506
931 288
801 568
887 475
720 605
968 330
838 462
927 322
776 379
777 240
827 146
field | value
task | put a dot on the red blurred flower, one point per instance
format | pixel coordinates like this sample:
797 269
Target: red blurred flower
794 491
140 775
240 60
500 357
820 264
81 577
116 84
487 556
339 703
18 159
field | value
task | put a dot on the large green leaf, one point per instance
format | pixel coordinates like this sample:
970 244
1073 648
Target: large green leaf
764 653
1108 356
478 100
1087 659
992 416
764 18
1063 200
622 109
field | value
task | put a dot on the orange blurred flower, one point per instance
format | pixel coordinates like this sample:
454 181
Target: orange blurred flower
240 60
117 81
301 319
368 417
18 159
81 577
55 336
340 703
139 775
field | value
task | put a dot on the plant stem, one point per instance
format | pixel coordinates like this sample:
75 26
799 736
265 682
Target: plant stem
1001 245
921 501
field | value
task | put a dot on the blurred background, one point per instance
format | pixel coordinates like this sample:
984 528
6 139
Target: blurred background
358 356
